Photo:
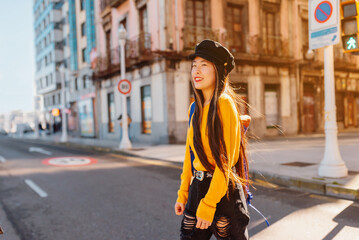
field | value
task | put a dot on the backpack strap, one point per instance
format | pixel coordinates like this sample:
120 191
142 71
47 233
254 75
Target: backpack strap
189 125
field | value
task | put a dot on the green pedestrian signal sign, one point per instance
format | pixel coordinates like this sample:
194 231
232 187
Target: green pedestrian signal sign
349 16
350 43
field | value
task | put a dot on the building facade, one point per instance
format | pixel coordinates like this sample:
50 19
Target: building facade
81 90
49 55
275 73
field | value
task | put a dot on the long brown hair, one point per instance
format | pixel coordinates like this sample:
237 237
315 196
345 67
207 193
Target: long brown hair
215 132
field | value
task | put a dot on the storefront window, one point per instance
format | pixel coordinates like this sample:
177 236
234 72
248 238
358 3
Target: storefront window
146 109
111 112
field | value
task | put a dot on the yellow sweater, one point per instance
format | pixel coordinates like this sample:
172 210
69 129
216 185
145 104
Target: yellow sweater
232 138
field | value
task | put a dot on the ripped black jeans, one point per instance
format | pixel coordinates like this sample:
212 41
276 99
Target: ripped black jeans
230 220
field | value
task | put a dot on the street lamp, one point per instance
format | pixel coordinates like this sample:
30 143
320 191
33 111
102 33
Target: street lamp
64 137
332 164
125 141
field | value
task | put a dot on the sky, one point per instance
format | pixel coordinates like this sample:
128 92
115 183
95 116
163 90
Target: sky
17 56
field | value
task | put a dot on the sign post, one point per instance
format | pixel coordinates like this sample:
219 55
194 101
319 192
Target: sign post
324 32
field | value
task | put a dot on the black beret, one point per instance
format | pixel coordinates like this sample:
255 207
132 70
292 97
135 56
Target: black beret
214 52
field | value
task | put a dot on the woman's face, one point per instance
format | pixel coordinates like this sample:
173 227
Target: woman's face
203 74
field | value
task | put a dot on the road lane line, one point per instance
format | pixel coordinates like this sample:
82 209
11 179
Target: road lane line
36 188
2 159
39 150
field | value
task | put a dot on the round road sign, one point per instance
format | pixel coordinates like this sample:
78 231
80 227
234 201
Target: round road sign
124 86
323 12
69 161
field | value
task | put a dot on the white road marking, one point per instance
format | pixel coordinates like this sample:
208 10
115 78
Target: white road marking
2 159
39 150
36 188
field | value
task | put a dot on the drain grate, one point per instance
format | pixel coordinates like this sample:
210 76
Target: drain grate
298 164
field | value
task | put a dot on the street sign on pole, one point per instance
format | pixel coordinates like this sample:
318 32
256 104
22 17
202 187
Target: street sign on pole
324 24
324 32
124 86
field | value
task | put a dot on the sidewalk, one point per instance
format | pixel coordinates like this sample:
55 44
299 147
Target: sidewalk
285 161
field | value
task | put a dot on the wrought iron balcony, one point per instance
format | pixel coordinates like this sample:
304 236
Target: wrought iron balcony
139 46
193 35
271 46
110 4
137 50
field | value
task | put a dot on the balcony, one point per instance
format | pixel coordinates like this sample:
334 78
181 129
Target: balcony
193 35
111 4
138 50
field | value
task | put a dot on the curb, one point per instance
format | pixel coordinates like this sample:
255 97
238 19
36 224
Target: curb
314 186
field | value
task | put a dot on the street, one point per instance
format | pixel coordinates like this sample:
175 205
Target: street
116 197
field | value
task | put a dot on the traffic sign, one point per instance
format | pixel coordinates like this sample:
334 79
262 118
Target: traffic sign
69 161
323 23
323 12
124 86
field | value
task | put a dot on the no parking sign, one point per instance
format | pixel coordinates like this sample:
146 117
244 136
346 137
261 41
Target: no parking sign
324 22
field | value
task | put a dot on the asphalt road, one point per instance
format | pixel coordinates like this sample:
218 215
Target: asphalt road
130 198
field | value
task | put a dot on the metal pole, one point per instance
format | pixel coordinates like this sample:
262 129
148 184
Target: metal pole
64 137
125 141
332 164
36 117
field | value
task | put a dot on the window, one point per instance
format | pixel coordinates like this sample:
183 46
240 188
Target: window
305 35
76 84
271 104
270 29
235 28
124 23
198 21
84 82
47 81
50 78
108 47
196 12
82 4
53 100
84 55
146 109
46 61
83 29
59 98
111 112
143 19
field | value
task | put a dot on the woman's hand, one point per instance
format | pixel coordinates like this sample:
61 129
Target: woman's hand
179 208
202 224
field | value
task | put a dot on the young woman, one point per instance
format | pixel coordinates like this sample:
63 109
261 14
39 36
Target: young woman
211 196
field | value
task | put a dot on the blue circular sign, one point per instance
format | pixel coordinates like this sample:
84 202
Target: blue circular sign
323 11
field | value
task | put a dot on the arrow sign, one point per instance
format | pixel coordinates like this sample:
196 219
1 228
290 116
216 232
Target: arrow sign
39 150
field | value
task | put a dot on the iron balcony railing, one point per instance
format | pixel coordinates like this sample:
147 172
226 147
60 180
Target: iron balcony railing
137 49
111 3
194 34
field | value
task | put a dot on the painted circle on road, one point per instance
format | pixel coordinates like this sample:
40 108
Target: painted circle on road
323 12
69 161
